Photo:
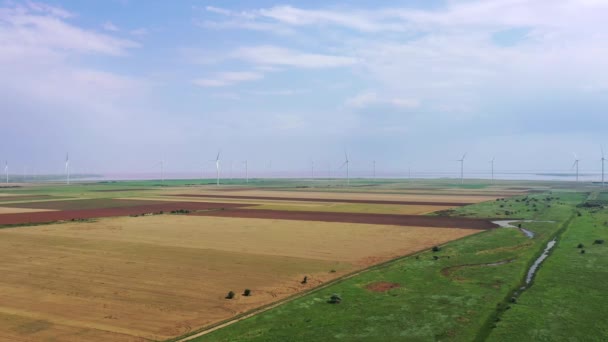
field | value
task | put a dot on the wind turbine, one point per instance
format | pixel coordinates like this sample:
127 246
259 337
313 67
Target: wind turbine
492 163
217 167
374 172
576 160
462 167
312 169
346 162
6 170
67 168
603 160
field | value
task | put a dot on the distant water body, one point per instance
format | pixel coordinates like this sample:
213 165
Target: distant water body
588 177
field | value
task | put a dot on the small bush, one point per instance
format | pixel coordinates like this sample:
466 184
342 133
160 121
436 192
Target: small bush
580 245
335 299
230 295
513 300
582 251
435 257
247 293
436 249
598 242
332 271
305 280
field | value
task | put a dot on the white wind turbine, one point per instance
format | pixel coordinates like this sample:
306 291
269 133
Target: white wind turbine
67 168
346 162
462 167
576 160
6 170
603 160
492 163
217 168
374 167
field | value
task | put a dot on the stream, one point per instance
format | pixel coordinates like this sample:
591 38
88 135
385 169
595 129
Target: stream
507 224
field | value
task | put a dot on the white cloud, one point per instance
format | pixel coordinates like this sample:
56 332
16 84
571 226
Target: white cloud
268 55
44 32
370 98
109 26
139 32
224 79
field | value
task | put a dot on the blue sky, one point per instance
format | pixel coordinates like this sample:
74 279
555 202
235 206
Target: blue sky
122 84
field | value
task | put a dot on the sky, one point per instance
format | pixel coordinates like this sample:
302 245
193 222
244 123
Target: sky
122 84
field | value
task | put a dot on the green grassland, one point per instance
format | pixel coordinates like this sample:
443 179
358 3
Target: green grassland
450 295
569 300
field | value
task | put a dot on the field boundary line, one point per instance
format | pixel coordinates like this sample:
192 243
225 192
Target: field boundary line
227 322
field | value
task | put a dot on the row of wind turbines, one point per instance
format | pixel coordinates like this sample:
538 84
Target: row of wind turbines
575 166
345 164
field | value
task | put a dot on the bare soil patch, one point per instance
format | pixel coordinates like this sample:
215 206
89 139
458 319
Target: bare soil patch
382 286
383 219
66 215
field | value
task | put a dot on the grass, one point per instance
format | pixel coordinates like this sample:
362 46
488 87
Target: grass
431 304
568 298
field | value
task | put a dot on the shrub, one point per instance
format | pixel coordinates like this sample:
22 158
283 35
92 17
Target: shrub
247 293
582 251
332 271
335 299
436 249
435 257
305 280
598 242
580 245
513 300
230 295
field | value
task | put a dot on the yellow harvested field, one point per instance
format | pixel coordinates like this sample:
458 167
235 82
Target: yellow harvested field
157 277
464 198
5 210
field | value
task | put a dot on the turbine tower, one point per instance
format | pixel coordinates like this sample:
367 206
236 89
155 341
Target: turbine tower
462 168
576 160
346 162
6 170
217 168
312 169
374 172
67 168
492 163
603 160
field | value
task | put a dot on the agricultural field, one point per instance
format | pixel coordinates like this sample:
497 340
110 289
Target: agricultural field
416 260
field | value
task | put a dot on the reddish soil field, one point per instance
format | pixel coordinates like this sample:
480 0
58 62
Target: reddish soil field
386 219
382 286
79 204
451 204
52 216
25 198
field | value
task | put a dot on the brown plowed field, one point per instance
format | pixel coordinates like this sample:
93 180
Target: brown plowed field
382 219
80 204
301 199
65 215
